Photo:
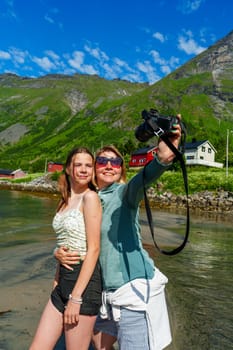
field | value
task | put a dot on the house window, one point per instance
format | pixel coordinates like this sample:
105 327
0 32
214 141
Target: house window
209 150
203 148
201 157
190 157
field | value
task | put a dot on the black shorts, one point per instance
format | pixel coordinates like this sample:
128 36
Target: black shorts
91 296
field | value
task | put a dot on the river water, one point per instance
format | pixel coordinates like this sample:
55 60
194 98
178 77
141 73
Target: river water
199 291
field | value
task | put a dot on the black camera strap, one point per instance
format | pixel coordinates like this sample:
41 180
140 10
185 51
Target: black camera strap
179 156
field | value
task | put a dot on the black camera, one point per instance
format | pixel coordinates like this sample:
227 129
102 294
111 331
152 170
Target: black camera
154 125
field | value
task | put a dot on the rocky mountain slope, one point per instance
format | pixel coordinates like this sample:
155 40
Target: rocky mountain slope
218 61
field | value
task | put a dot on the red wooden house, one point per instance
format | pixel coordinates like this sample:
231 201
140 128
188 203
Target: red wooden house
142 156
53 166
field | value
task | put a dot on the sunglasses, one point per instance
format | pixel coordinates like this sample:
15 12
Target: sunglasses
115 162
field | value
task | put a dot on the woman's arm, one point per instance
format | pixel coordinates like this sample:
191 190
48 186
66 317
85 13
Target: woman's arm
92 215
66 258
153 170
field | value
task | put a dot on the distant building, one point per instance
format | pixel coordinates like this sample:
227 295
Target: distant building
196 153
201 153
53 166
12 174
17 174
142 156
5 173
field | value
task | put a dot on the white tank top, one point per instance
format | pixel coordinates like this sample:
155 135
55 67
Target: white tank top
70 230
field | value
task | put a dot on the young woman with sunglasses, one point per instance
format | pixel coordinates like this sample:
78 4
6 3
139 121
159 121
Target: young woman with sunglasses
76 296
134 307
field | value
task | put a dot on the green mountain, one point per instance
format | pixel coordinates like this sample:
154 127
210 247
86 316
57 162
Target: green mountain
43 118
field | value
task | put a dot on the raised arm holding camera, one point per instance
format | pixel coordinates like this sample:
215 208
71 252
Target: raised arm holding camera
134 310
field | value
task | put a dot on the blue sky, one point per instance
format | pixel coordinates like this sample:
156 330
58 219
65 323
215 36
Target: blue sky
140 41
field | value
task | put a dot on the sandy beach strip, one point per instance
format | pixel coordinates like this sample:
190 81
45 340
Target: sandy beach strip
26 280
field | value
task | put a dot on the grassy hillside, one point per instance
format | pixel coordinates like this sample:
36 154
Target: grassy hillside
41 119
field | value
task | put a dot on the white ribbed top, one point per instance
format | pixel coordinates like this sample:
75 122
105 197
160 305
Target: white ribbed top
70 230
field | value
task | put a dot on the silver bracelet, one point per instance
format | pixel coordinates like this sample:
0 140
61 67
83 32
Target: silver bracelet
74 300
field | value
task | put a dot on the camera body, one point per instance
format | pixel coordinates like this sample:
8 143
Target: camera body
154 125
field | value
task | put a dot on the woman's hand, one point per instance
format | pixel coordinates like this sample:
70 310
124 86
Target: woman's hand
71 314
67 258
164 153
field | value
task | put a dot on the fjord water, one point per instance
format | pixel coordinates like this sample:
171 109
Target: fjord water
24 218
199 291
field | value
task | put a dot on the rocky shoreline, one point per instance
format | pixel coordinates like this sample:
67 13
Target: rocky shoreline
209 202
42 184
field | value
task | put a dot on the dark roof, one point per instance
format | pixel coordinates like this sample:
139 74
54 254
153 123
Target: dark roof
143 150
56 163
196 144
5 171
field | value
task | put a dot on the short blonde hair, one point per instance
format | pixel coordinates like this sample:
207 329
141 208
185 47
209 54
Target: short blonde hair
111 148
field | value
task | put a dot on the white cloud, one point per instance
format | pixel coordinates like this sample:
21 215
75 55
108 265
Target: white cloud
49 19
68 71
149 71
56 59
45 63
159 36
53 55
156 57
166 69
18 55
134 76
187 44
91 60
89 69
113 68
189 6
166 66
110 72
96 53
4 55
122 64
77 62
174 61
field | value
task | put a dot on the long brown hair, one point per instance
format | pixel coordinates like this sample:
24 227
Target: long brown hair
64 182
111 148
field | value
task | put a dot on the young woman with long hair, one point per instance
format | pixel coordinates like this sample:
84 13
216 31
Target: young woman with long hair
76 295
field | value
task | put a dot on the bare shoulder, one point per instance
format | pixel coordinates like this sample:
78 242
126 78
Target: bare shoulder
90 195
91 203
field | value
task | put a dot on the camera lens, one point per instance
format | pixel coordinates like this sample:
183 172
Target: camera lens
143 133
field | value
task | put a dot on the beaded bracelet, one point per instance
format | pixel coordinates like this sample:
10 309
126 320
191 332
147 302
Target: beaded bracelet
74 300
